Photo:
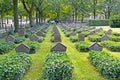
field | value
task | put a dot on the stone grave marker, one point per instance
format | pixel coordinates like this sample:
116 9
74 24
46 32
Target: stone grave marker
91 33
34 38
10 38
59 47
104 37
73 34
109 32
21 31
96 47
40 33
98 30
22 48
57 38
81 37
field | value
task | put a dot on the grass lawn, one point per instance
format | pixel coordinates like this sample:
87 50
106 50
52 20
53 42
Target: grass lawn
35 71
107 28
83 69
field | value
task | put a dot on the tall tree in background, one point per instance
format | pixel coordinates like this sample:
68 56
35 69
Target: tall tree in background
29 6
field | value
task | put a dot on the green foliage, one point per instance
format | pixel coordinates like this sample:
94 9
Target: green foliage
86 33
98 22
114 38
6 46
82 46
67 34
111 45
94 38
52 39
100 33
57 66
19 39
28 34
34 46
74 38
115 21
41 39
106 64
14 66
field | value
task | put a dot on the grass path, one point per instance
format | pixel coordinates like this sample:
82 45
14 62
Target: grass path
83 69
38 59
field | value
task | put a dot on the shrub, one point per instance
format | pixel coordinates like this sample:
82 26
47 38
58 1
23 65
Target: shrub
111 45
28 34
19 39
100 33
116 34
86 33
6 46
114 38
57 66
67 34
115 21
74 38
34 46
98 23
94 38
40 39
82 46
14 66
106 64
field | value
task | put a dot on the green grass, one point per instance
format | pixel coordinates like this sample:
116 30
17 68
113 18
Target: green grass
83 69
35 71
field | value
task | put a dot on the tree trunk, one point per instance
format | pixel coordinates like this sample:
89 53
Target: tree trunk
30 19
94 13
15 8
82 17
37 16
76 16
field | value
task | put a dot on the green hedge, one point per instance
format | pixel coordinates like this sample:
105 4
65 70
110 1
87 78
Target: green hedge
111 45
14 66
106 64
57 66
94 38
74 38
98 23
19 39
67 34
83 46
114 38
115 21
6 46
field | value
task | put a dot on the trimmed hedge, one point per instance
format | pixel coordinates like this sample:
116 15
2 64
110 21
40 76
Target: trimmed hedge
67 34
115 21
106 64
114 38
82 46
14 66
98 23
94 38
57 66
111 45
74 38
86 33
19 39
6 46
101 33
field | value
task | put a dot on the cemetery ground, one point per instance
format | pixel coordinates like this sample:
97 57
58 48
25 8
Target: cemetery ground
83 69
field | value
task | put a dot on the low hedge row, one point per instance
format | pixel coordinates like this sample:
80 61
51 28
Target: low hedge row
57 66
100 33
74 38
67 34
19 39
106 64
86 33
114 38
94 38
98 23
14 66
83 46
6 46
111 45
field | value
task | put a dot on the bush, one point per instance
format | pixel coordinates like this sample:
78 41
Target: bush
57 66
116 34
111 45
28 34
114 38
101 33
14 66
106 64
6 46
98 23
34 46
115 21
40 39
82 46
86 33
94 38
19 39
67 34
74 38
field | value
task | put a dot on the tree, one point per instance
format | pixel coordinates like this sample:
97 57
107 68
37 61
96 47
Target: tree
29 6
